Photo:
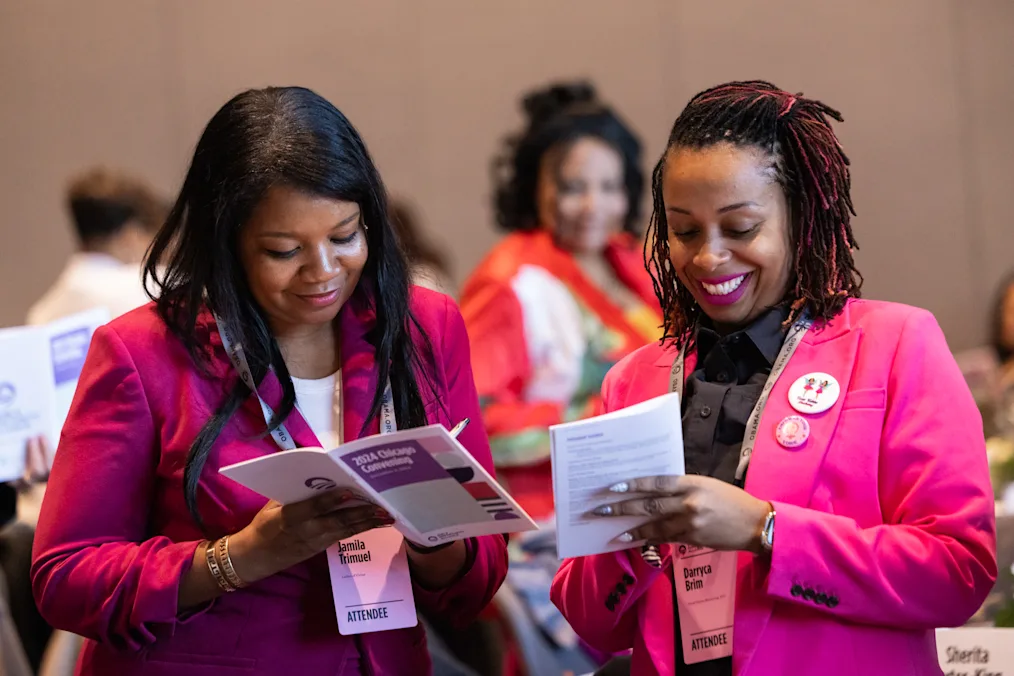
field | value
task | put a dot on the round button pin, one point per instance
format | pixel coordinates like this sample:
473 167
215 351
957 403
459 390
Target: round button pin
792 431
814 393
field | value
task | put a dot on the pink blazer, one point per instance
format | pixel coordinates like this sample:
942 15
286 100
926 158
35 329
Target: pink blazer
887 509
115 538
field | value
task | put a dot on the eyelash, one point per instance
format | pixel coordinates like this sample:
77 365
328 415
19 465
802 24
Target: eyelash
285 255
735 234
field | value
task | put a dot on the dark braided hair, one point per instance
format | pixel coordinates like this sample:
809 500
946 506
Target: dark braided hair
558 116
810 166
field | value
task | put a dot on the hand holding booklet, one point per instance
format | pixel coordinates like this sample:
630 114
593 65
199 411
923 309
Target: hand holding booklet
589 456
435 490
432 486
39 370
644 440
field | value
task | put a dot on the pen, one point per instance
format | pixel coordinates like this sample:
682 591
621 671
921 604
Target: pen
458 428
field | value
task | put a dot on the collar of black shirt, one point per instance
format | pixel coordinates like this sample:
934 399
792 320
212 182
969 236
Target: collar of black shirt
766 333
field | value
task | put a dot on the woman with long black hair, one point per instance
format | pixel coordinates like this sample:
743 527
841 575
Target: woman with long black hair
281 247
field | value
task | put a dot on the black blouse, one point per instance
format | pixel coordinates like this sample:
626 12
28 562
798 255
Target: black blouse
718 398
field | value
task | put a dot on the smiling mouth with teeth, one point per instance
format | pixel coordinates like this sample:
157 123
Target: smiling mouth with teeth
725 288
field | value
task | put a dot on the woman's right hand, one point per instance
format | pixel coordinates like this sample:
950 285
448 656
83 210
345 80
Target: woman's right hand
280 536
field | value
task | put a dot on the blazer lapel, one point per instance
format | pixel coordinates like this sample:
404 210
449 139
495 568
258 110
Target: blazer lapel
829 350
663 368
271 390
358 378
270 387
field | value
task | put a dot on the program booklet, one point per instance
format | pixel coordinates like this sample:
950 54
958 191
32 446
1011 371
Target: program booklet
39 370
589 456
432 486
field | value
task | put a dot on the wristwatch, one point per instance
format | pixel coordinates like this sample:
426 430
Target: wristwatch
768 532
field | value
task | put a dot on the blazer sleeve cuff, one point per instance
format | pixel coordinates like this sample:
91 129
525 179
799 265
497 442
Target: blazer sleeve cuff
794 575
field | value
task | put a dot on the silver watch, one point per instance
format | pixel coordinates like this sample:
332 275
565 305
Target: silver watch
768 532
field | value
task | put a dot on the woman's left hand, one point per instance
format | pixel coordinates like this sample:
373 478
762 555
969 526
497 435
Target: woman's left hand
38 458
692 509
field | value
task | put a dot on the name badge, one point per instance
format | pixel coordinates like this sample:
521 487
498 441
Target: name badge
705 582
370 582
975 651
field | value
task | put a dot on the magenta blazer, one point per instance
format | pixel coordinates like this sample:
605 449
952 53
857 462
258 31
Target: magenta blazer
114 537
885 518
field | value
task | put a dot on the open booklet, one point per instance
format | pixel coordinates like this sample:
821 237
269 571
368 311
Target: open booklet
589 456
39 370
435 490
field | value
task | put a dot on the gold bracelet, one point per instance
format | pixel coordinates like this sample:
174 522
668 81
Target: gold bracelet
225 561
216 570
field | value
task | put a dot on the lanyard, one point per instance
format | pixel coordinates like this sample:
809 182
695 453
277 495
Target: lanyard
233 348
792 340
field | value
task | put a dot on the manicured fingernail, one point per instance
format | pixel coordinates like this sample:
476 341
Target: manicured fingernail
621 487
625 537
603 510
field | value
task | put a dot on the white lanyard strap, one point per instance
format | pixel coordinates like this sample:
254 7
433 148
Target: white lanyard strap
233 348
792 340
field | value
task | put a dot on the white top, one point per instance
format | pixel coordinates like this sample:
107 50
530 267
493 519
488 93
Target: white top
318 402
91 280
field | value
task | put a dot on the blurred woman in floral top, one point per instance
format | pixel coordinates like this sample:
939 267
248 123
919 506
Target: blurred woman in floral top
1003 344
565 295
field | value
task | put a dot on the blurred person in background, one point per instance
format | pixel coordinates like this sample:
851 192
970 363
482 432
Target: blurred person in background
16 558
280 237
997 408
115 216
428 266
991 372
989 369
565 295
554 305
1003 346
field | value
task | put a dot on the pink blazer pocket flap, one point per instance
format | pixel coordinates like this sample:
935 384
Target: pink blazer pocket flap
874 397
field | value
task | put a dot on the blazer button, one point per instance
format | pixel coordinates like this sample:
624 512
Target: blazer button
621 588
832 601
705 411
820 599
627 579
610 606
797 590
808 594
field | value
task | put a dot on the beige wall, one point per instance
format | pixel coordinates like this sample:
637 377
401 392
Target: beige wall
926 87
